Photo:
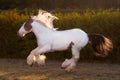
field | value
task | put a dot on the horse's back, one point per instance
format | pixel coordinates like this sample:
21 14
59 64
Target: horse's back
76 36
72 31
76 33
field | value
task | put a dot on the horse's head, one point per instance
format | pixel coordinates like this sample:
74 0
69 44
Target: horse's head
26 27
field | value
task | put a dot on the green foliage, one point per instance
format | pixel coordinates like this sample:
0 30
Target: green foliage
105 22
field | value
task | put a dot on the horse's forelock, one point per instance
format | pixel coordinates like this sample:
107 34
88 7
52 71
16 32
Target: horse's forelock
27 25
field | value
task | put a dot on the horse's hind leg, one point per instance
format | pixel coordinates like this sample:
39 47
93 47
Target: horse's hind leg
69 64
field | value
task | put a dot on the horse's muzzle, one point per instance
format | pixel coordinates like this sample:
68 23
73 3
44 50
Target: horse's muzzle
19 34
20 37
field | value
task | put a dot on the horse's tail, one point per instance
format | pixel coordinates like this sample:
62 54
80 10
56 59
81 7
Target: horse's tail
100 44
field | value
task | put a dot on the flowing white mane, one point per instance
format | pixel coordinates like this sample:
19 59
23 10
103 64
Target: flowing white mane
46 18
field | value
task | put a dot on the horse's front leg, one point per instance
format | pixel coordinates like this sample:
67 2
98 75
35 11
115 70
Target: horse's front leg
69 64
31 59
36 55
40 59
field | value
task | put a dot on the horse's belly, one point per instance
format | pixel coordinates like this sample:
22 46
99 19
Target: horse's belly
60 45
59 48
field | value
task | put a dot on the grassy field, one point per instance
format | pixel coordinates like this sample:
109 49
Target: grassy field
12 69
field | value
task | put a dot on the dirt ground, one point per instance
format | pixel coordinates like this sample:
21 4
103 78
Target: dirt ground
12 69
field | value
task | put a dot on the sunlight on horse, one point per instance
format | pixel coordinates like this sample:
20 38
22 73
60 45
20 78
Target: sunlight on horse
50 40
46 18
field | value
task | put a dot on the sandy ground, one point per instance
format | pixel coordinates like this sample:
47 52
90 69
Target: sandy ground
12 69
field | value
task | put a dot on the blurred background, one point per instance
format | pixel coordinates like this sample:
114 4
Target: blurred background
92 16
62 4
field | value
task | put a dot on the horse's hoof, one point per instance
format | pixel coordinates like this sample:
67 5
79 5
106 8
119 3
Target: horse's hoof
62 67
68 70
31 65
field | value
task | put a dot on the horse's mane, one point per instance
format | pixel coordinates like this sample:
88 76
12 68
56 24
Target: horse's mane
49 22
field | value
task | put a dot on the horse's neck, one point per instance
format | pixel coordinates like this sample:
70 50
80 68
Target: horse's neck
48 24
39 29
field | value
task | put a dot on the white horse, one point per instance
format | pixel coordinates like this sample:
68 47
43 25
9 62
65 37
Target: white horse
50 40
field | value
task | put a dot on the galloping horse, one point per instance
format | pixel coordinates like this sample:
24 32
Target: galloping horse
50 40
